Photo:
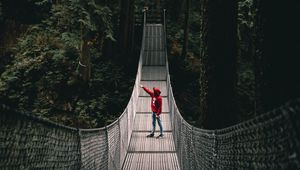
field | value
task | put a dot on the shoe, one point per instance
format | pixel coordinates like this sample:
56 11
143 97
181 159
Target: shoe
160 136
150 135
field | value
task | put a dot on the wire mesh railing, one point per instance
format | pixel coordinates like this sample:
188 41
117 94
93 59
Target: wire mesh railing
269 141
28 142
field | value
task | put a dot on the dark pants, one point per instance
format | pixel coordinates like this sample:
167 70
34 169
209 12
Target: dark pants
154 118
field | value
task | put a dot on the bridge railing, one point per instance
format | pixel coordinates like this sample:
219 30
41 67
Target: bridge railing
269 141
28 142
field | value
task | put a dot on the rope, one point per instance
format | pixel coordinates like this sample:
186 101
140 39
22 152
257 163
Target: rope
270 141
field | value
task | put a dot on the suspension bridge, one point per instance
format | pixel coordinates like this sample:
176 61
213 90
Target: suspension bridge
270 141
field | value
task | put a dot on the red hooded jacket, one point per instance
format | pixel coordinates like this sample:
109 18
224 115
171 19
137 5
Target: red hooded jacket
156 100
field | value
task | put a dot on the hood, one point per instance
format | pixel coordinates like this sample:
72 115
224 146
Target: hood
156 91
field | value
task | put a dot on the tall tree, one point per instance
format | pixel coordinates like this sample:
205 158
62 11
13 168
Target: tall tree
262 53
85 58
174 8
186 29
126 29
95 26
276 63
218 63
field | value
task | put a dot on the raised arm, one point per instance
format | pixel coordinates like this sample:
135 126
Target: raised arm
151 93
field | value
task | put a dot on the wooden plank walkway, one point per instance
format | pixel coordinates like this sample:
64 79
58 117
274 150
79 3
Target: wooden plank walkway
152 153
157 73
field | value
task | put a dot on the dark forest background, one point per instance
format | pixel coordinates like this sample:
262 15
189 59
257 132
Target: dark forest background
74 61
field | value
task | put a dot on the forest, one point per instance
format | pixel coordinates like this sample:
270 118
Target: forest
74 61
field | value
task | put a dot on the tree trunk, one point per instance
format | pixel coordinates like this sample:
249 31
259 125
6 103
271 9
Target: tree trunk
261 56
131 27
124 23
186 29
126 28
218 64
85 60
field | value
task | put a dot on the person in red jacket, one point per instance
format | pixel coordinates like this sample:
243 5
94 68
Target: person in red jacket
156 107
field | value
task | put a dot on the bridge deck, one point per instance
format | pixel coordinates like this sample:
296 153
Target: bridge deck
152 153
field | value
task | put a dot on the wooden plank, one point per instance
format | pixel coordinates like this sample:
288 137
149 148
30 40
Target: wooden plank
154 40
143 122
156 29
154 73
154 58
152 153
162 85
150 30
151 161
154 43
143 104
139 142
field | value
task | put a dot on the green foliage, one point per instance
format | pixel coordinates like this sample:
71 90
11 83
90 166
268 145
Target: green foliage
246 16
188 68
43 77
40 2
246 94
246 13
194 36
246 79
175 28
25 11
187 71
187 93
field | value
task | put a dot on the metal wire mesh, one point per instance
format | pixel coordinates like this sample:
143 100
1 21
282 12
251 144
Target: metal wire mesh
27 142
114 146
270 141
30 143
124 140
94 149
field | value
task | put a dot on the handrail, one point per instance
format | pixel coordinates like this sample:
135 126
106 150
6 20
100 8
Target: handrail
97 148
269 141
